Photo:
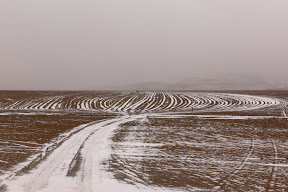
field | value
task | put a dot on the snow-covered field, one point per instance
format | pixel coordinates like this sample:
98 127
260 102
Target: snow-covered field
146 102
164 141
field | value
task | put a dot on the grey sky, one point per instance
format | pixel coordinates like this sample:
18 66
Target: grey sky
73 44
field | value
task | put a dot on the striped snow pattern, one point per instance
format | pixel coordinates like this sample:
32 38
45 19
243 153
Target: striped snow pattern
148 101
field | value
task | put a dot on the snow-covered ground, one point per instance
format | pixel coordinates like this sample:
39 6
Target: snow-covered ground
51 174
79 163
148 102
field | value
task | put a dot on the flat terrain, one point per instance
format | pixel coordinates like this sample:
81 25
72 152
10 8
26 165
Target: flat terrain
143 141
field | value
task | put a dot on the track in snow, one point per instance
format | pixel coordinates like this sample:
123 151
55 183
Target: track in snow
222 182
53 174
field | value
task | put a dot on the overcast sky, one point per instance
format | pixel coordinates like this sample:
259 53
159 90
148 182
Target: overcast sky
96 44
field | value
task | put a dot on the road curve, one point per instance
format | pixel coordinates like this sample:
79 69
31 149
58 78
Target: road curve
54 173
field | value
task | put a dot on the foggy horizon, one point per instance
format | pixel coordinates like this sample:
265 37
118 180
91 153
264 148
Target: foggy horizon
102 45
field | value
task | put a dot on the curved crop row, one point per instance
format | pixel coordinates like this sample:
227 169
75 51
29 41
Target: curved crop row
146 102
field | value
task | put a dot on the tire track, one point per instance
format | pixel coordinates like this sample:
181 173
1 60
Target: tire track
271 183
223 182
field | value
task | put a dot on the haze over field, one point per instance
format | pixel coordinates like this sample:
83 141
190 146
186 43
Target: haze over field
109 44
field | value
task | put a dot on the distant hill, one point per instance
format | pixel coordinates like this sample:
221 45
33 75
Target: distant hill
214 83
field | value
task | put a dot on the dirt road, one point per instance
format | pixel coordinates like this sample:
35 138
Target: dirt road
76 165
